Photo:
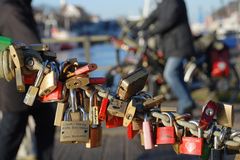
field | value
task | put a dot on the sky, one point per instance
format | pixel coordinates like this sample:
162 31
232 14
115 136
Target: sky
108 9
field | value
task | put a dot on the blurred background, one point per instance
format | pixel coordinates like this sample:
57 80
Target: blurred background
82 29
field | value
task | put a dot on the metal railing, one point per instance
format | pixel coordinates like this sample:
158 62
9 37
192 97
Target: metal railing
85 40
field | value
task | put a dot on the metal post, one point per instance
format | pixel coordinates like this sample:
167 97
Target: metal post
118 56
86 46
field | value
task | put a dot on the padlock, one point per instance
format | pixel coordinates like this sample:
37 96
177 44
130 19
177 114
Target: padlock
74 131
17 58
166 135
117 107
33 90
132 83
67 67
49 82
141 137
130 132
95 127
129 114
93 109
61 108
95 137
192 145
57 95
29 78
136 124
83 70
113 121
147 133
208 113
77 82
103 109
97 80
179 134
225 116
153 102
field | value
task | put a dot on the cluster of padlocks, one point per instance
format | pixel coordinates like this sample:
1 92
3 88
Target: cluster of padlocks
84 104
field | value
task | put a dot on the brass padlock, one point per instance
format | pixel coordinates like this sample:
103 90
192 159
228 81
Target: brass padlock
136 124
129 114
74 131
77 82
17 58
49 82
117 107
132 83
225 116
61 108
33 90
153 102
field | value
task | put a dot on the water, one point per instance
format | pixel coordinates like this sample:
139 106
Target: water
101 54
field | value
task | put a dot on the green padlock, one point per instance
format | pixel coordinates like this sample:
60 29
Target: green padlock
4 43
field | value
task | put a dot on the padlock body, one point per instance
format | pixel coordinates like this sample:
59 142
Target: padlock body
61 107
103 109
132 83
49 84
19 80
117 107
95 137
74 131
113 122
29 79
191 146
54 96
77 82
165 135
147 135
30 96
136 124
130 132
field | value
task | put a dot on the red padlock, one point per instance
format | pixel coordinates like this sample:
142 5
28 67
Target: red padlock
113 121
166 135
103 109
192 145
29 79
130 132
208 113
56 95
97 80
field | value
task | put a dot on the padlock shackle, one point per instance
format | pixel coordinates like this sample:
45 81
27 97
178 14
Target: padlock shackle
170 116
73 100
200 131
92 98
84 114
40 74
66 116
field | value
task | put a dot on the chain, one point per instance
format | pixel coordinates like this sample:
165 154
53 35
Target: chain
231 141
